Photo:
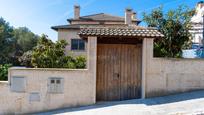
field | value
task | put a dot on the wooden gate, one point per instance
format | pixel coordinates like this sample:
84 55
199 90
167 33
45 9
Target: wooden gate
118 72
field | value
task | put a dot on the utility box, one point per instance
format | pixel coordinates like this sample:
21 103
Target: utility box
18 84
34 97
55 85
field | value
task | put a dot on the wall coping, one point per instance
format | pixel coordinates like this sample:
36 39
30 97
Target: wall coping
46 69
179 59
4 82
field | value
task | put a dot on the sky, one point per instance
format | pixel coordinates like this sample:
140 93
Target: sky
40 15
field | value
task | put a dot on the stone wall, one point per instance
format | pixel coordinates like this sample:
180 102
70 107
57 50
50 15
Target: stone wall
166 76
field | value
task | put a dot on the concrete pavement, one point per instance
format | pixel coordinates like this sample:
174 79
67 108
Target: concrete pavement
181 104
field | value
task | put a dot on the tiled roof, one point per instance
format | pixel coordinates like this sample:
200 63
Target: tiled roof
77 26
66 27
101 17
120 31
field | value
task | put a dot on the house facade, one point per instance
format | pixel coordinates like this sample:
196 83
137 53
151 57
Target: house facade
197 34
197 24
69 32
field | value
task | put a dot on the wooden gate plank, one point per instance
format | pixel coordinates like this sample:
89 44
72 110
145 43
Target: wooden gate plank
108 84
130 71
123 60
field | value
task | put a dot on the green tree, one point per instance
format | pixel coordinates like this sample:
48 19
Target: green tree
175 25
25 38
25 59
14 42
48 54
52 55
7 42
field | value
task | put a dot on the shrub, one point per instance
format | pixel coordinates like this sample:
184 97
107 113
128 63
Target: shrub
4 71
51 55
25 59
69 62
48 54
80 62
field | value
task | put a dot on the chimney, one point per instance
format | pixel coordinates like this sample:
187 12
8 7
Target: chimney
134 16
128 16
76 12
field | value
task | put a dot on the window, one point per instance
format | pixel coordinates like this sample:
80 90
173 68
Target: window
55 85
77 44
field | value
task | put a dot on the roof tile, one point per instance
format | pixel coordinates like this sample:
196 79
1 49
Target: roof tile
129 31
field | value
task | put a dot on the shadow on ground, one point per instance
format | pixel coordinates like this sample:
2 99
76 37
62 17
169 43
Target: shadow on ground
147 102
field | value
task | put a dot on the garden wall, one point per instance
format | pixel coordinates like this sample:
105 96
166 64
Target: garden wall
35 89
77 91
166 76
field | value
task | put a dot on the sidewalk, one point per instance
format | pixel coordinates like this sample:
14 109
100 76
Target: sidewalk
181 104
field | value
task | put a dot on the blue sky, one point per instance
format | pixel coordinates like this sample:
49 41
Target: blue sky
40 15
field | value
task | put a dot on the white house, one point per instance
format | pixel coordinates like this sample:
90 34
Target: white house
197 23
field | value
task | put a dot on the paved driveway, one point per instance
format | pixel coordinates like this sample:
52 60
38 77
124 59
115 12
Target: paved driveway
181 104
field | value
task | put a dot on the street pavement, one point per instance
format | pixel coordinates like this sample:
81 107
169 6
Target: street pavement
181 104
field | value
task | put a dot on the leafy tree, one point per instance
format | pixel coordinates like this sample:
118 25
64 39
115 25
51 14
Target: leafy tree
175 25
48 54
25 59
51 55
14 42
25 38
25 41
7 42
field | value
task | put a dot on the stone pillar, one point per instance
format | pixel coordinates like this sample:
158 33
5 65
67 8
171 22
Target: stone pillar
147 55
92 62
150 48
